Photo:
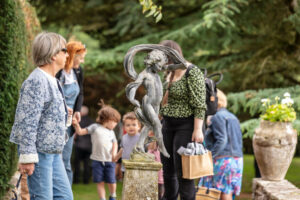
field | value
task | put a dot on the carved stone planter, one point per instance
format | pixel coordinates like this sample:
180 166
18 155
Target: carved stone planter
274 145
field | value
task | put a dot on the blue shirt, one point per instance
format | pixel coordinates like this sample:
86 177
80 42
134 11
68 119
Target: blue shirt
128 142
224 136
40 119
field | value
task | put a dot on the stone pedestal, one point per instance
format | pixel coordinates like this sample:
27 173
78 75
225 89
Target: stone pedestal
140 180
274 190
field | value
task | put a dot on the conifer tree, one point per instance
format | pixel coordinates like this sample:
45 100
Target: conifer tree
255 44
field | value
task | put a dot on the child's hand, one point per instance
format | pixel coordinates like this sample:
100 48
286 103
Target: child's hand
74 121
114 159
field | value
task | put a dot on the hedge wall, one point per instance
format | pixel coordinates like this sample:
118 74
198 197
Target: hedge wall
14 67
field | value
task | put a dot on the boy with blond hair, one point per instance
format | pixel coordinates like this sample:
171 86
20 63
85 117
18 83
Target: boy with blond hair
132 127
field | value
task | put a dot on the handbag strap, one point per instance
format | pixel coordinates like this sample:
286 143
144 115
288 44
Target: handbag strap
206 192
17 185
19 180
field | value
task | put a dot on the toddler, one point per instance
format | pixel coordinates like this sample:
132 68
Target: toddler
132 127
104 148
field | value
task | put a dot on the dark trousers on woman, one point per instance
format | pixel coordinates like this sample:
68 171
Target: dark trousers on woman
177 132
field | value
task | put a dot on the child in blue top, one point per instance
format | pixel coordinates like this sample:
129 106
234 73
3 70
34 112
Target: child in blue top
104 148
132 127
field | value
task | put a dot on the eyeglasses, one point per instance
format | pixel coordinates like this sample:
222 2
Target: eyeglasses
65 50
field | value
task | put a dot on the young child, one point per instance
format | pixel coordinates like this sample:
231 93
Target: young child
104 148
132 127
153 149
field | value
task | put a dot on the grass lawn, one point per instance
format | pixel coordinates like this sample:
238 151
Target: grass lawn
89 192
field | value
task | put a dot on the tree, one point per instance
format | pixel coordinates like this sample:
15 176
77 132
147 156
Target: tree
255 44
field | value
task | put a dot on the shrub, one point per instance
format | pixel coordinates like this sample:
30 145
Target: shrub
15 65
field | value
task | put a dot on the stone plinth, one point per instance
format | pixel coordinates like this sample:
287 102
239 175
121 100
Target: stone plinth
140 180
274 190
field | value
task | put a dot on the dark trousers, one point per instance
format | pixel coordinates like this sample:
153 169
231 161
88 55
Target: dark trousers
161 191
177 132
84 156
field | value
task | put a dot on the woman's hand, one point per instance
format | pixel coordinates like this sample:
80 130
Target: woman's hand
77 116
197 136
27 168
70 111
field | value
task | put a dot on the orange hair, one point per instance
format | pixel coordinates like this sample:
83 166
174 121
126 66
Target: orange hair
74 48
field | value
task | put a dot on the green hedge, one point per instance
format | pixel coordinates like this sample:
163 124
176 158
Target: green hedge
13 70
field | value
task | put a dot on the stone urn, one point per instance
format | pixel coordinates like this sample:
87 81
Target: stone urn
274 145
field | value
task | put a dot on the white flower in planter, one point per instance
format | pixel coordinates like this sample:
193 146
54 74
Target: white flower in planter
278 111
287 95
287 101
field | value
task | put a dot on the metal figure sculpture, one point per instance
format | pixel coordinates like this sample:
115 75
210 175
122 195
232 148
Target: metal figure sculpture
147 113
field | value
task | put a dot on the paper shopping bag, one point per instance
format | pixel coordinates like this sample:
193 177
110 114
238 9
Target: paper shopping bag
197 166
204 193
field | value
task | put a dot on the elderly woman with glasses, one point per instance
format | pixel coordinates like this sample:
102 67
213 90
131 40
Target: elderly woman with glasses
71 79
40 122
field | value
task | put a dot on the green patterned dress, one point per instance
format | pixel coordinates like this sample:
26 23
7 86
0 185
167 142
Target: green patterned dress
186 96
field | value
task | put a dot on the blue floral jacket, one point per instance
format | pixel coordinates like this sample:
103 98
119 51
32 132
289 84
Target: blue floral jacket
40 118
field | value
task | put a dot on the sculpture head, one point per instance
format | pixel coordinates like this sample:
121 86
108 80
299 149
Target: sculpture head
155 60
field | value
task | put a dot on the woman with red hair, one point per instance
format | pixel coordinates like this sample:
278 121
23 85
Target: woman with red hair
71 79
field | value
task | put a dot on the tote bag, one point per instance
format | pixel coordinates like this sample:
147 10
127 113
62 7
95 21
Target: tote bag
197 166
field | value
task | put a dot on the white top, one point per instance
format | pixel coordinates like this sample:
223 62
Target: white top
52 79
102 142
69 77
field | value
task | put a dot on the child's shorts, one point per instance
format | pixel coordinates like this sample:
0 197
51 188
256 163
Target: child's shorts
104 172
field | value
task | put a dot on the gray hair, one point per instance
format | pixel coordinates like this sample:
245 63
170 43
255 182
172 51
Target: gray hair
45 46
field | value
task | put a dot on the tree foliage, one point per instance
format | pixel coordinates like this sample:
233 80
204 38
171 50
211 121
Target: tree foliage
255 44
152 9
249 101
